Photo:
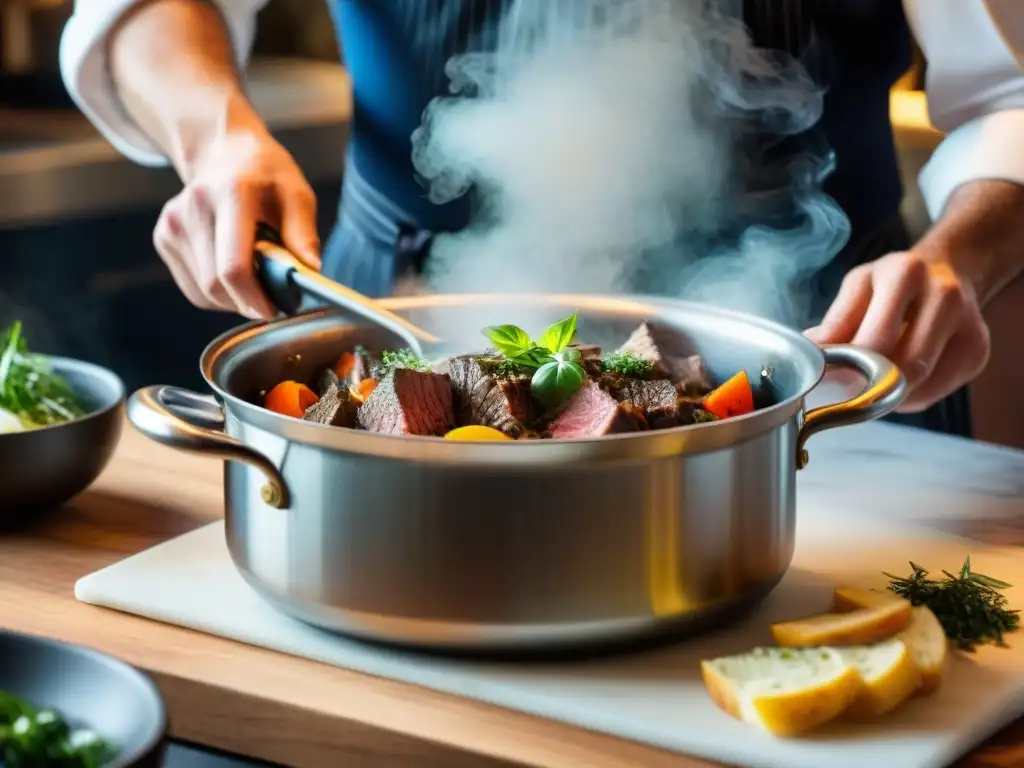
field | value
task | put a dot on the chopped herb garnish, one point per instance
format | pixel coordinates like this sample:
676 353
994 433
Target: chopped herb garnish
969 605
34 736
37 396
402 358
627 364
508 369
700 416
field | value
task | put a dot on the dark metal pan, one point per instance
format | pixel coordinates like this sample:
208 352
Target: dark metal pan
43 468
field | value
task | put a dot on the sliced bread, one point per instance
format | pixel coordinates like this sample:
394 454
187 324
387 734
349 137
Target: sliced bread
783 691
888 675
923 635
861 626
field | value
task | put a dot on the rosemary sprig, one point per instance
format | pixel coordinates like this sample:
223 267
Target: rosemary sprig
968 605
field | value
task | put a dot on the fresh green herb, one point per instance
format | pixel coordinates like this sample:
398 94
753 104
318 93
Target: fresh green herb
32 392
557 381
508 369
969 606
627 364
510 340
403 358
700 416
558 369
560 335
32 737
513 343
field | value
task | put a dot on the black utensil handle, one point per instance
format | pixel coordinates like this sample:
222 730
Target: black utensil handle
276 275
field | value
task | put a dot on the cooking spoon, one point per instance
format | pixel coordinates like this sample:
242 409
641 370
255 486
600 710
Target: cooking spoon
287 281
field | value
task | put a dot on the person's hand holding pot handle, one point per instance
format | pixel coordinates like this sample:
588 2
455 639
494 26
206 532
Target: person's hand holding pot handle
235 174
922 308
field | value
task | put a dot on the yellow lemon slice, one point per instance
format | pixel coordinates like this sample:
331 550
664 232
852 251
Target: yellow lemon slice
476 432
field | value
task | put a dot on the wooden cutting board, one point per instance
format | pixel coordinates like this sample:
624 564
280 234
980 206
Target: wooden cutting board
862 510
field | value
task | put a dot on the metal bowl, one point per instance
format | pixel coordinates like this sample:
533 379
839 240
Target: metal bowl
88 689
45 467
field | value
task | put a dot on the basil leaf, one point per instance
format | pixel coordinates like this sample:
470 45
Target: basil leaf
568 355
559 336
556 382
534 357
510 340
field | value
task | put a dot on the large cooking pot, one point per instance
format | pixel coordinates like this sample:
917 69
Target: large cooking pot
510 545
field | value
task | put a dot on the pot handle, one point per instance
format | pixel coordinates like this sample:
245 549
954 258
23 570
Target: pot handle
885 390
188 421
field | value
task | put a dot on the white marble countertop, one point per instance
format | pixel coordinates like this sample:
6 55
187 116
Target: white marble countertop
965 488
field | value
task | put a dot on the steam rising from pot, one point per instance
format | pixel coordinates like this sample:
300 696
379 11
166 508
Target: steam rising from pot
609 143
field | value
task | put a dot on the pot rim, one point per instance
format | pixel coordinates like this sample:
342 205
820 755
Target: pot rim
694 438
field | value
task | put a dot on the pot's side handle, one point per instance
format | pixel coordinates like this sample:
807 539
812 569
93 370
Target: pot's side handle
885 390
192 422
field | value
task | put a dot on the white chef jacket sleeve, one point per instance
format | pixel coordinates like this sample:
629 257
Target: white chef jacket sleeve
975 91
86 71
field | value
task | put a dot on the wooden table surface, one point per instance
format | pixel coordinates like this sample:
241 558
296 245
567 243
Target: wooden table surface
256 702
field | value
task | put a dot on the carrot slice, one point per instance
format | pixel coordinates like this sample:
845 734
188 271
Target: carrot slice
290 398
733 398
345 365
363 390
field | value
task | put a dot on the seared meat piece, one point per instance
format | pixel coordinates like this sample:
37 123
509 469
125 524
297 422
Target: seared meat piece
481 397
365 367
591 358
328 379
335 407
691 376
408 402
655 398
592 412
666 350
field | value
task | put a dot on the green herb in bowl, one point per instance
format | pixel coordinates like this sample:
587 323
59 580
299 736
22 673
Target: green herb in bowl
34 737
31 394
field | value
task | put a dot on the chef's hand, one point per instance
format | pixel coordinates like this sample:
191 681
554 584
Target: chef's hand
918 310
205 234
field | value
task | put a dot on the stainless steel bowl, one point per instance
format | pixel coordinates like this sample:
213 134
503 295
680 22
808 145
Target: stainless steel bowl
45 467
510 545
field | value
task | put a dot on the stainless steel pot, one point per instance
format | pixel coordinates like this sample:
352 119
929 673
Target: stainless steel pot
510 545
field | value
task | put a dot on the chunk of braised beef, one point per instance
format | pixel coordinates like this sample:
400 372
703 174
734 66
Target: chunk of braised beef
590 358
592 412
366 365
328 379
667 350
485 393
334 408
656 399
409 402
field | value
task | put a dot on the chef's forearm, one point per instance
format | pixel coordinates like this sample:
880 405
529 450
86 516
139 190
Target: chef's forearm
982 233
175 73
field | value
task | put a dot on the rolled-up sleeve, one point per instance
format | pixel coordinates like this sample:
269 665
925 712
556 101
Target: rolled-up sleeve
86 71
975 90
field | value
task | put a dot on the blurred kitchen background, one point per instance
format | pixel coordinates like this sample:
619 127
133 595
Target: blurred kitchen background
76 258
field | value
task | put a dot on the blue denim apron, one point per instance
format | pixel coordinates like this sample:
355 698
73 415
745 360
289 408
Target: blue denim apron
395 51
374 241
